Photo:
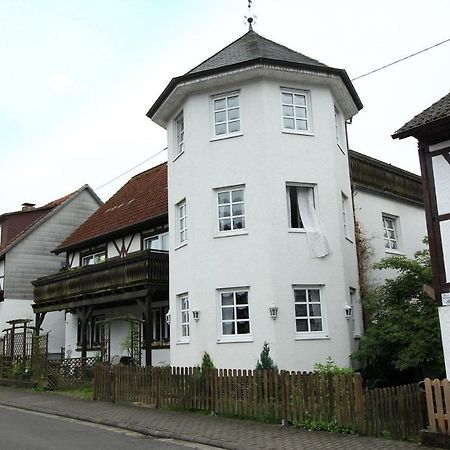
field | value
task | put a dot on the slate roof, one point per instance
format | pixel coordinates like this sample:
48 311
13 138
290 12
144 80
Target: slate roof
251 48
18 224
436 112
141 199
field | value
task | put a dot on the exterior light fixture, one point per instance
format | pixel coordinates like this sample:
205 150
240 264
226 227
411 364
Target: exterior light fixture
196 314
348 311
168 317
273 309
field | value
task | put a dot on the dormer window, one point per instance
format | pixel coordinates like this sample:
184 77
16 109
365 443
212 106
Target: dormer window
179 138
227 117
295 106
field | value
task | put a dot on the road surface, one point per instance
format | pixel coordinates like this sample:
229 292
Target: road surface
27 430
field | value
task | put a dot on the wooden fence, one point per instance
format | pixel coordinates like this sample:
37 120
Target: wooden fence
268 395
438 405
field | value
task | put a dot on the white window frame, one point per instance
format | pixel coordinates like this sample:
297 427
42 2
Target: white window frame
184 314
217 207
179 136
339 129
159 238
96 258
347 217
244 337
323 334
308 119
225 96
181 221
396 229
289 207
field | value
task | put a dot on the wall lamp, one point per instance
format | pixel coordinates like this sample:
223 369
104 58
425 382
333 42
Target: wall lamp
273 310
196 314
348 311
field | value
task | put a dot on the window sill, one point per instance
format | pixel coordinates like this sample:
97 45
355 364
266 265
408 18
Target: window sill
181 245
222 234
357 336
311 337
394 252
234 339
296 230
182 342
176 157
302 133
225 136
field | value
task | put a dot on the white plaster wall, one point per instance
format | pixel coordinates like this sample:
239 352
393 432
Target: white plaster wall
269 259
441 172
445 236
444 319
2 268
369 207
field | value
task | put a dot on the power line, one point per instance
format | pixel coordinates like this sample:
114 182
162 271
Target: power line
130 170
401 59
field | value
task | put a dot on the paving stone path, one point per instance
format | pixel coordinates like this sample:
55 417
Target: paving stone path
216 431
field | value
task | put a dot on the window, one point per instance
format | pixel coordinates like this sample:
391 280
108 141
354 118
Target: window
179 130
295 106
227 119
182 222
345 216
2 279
235 316
390 227
0 234
94 258
231 213
309 314
161 330
159 242
295 194
338 125
95 332
183 301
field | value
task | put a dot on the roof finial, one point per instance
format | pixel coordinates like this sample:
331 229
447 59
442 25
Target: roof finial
251 18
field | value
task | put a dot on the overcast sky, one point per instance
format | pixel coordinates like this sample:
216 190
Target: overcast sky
78 76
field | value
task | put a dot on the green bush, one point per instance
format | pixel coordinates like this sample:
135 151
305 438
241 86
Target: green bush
207 362
330 368
265 361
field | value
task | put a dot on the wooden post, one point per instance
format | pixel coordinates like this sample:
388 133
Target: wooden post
148 324
39 320
84 315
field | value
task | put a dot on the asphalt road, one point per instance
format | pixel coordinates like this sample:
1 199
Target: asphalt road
26 430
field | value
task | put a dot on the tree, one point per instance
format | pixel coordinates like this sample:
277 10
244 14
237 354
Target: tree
402 342
265 361
207 362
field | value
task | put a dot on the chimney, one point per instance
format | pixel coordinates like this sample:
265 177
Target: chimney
28 206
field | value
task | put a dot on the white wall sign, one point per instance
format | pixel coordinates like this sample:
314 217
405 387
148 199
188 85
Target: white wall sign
446 299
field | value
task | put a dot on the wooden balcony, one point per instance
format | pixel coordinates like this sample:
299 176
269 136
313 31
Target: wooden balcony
111 282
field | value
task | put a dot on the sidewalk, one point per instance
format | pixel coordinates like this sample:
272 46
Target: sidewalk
216 431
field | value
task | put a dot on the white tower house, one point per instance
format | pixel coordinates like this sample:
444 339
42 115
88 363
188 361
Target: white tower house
260 208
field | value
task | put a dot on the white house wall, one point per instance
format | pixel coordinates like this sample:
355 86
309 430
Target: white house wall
411 227
269 259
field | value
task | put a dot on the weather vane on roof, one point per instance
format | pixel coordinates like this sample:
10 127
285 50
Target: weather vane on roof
250 19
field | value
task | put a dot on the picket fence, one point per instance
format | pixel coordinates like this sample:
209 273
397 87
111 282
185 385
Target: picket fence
438 405
268 395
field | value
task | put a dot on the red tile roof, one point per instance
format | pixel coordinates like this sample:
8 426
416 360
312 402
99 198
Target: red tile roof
15 224
143 198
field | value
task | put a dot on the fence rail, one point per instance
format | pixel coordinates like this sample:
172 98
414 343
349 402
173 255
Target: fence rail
268 395
438 405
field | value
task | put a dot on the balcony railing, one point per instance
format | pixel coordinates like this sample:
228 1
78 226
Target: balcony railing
138 271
